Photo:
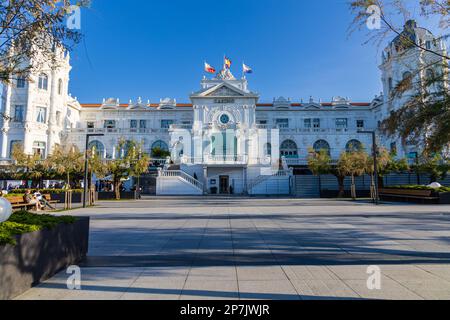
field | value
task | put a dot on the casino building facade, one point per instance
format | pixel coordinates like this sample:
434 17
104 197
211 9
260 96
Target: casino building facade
224 140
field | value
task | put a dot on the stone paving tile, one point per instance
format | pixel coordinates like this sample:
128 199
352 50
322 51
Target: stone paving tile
390 290
267 290
261 273
153 248
309 273
212 273
210 290
154 289
324 289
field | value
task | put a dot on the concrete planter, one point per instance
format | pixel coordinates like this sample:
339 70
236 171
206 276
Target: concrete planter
129 195
444 198
40 255
61 197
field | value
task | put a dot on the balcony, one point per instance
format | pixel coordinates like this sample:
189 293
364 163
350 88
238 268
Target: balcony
217 160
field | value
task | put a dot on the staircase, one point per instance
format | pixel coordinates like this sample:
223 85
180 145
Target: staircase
177 182
266 179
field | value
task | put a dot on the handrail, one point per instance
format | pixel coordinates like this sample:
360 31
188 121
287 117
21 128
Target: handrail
183 175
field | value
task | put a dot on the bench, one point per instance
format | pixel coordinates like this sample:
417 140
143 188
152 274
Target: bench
406 194
18 203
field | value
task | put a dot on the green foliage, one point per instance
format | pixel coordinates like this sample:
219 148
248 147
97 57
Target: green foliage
160 153
24 222
319 162
416 187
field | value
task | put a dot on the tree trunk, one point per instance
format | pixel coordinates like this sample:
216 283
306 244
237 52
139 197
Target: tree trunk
341 187
117 188
68 180
353 188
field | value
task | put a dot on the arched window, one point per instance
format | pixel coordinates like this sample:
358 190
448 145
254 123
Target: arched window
160 145
289 149
60 87
322 145
268 149
97 148
43 81
353 146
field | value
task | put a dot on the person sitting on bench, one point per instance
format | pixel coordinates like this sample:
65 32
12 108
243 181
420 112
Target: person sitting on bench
44 203
29 199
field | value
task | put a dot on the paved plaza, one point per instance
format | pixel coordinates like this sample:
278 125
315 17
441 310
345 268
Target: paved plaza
288 249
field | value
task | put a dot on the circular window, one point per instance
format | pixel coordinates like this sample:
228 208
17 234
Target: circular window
224 119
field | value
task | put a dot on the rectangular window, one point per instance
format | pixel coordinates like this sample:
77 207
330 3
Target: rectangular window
143 124
262 122
282 123
21 83
39 148
342 123
133 124
91 125
307 123
360 124
165 124
41 114
316 123
19 113
110 124
428 45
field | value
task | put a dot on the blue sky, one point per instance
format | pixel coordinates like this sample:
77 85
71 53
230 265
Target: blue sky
156 49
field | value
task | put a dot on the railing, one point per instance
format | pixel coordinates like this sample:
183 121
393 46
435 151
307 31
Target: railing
261 179
117 130
183 175
230 160
181 127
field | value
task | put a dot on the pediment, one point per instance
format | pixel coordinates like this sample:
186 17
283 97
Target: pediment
224 91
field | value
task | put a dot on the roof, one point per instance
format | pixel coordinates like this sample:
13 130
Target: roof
189 105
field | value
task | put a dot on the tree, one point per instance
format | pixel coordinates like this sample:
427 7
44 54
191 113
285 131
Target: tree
160 153
26 166
319 163
66 161
436 166
131 161
423 118
353 164
29 32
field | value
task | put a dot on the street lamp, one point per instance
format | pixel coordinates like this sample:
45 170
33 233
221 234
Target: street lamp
88 136
375 162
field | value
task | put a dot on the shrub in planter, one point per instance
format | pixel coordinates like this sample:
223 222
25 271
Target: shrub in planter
24 222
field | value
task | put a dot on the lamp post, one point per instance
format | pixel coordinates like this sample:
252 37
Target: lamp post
86 163
375 161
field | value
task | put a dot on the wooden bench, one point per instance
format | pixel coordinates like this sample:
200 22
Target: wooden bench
18 203
406 194
48 197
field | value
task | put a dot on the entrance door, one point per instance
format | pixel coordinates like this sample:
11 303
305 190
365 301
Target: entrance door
224 184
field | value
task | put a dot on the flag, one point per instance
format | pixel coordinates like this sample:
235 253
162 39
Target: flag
209 69
227 63
246 68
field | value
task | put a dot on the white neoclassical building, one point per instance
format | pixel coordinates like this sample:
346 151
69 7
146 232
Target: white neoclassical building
224 140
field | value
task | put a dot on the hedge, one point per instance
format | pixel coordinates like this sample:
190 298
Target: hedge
417 187
24 222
